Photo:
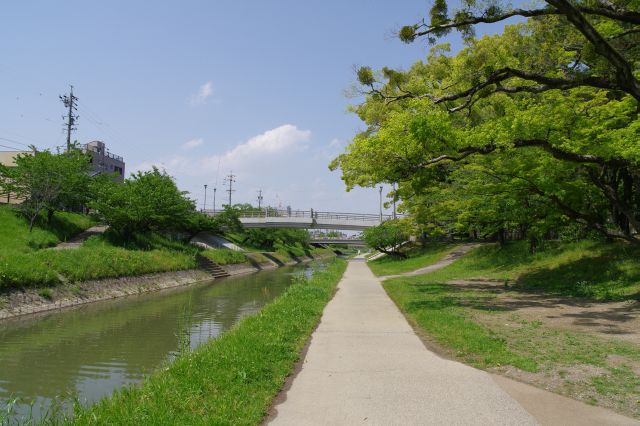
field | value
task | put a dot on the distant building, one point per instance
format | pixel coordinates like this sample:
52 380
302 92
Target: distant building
8 158
102 161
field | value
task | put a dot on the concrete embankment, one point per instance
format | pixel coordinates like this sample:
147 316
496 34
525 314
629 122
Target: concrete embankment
16 303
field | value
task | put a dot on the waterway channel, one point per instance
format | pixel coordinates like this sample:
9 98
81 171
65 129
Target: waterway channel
89 351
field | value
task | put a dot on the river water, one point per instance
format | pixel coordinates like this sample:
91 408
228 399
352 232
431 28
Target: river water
89 351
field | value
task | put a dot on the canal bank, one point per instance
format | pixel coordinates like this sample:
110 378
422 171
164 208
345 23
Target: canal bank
97 348
29 301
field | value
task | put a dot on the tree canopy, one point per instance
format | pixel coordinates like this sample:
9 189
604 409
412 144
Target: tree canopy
47 181
147 201
479 149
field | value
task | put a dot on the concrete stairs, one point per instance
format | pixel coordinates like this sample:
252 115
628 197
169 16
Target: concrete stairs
211 267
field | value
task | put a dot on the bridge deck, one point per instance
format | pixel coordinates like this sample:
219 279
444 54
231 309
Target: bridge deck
308 219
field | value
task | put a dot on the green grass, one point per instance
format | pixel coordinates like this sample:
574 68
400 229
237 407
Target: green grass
418 257
438 310
25 261
596 270
225 256
15 236
230 380
89 263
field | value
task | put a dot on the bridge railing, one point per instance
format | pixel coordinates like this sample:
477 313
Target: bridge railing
314 214
309 214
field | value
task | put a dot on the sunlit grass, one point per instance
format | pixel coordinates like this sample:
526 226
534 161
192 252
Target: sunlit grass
230 380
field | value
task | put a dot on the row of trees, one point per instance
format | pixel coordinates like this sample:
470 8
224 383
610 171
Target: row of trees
146 201
533 132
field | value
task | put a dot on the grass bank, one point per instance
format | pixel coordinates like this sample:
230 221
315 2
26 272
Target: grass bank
417 257
225 256
474 323
230 380
27 261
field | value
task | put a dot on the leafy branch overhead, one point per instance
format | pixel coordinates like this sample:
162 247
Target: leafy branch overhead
600 39
532 131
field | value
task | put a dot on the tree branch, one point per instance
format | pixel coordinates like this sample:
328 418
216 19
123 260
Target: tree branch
497 77
524 143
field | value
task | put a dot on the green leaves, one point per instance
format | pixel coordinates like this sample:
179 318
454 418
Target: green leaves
503 157
147 201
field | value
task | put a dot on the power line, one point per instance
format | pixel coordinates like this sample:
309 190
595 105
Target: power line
11 147
102 124
13 141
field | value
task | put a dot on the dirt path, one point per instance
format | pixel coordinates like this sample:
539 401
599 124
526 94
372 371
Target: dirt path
445 261
605 319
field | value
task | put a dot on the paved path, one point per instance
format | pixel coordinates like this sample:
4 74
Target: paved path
445 261
365 365
77 241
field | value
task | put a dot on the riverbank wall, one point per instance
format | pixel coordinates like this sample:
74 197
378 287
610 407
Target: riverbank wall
29 301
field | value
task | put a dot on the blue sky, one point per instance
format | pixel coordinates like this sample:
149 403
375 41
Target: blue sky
253 86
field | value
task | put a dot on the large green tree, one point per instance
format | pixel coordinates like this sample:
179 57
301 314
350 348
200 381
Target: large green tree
483 154
147 201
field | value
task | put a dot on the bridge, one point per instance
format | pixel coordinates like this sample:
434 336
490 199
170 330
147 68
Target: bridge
356 242
308 219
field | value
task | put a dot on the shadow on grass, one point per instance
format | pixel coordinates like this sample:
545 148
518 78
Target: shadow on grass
611 275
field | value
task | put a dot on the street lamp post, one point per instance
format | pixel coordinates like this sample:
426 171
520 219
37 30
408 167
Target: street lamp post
380 203
214 199
394 200
204 205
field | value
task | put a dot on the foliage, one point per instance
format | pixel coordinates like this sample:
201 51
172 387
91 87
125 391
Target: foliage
232 379
274 239
147 201
416 258
387 237
47 181
521 162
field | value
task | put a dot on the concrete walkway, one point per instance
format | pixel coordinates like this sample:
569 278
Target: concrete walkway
365 365
77 241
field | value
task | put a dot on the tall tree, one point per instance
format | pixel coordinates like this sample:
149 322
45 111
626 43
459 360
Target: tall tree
147 201
524 158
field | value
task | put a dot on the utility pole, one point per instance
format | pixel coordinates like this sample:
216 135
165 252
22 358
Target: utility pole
204 205
71 105
260 198
380 203
214 199
230 180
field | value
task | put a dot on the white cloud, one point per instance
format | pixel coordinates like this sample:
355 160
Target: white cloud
204 93
193 143
265 154
282 162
